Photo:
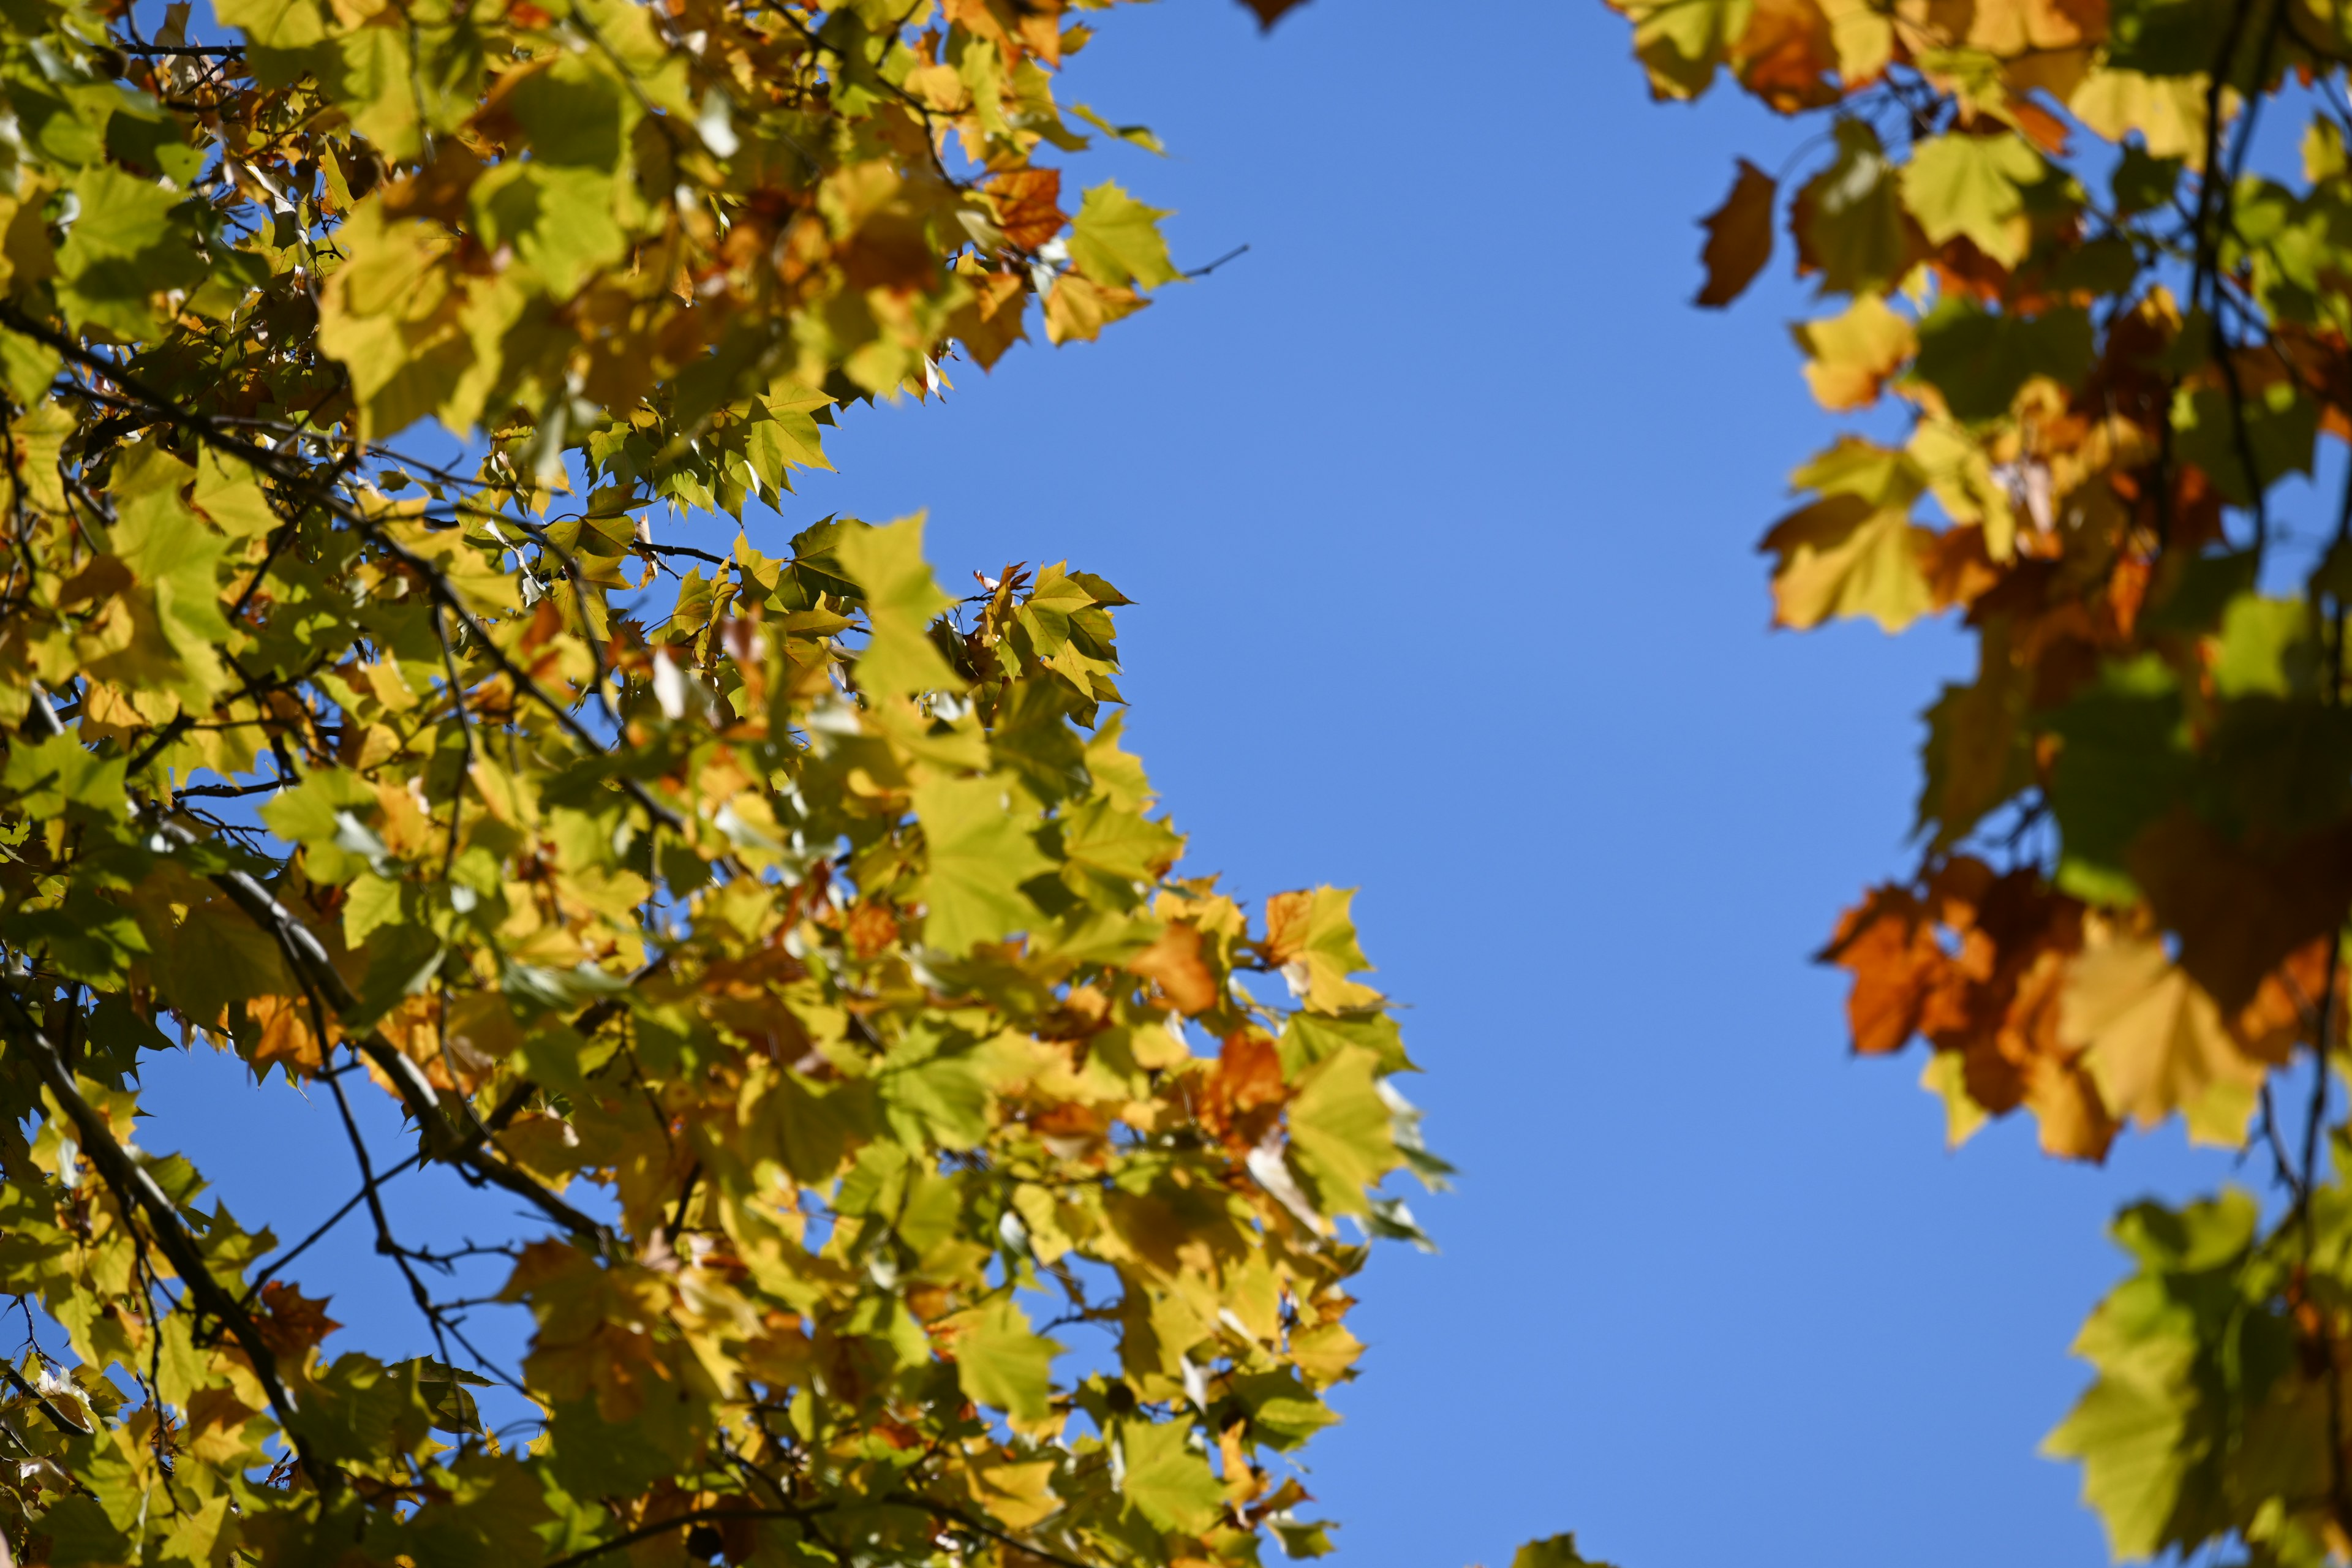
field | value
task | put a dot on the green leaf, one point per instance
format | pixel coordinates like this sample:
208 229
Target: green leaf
274 24
1980 360
81 1535
558 217
2123 762
1164 1480
1001 1363
1848 220
51 774
1115 240
2265 648
1342 1131
1972 186
2179 1357
980 852
901 596
1112 852
1553 1551
2281 426
123 248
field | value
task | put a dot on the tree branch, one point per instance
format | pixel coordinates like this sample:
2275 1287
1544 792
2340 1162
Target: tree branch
136 1191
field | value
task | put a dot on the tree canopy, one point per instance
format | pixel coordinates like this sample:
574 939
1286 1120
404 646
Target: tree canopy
2097 256
914 1166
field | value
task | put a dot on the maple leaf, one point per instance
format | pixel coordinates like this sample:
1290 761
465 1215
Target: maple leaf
1027 206
1553 1551
1738 236
1269 12
1973 185
1850 356
2155 1040
2155 748
291 1322
1786 54
1842 556
1173 961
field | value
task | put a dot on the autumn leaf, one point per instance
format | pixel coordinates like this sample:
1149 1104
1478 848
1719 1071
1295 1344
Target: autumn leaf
1001 1363
1269 12
1027 206
2155 1043
1738 236
1851 356
1173 961
1842 557
1115 240
291 1322
1786 54
2151 743
1973 185
1553 1551
793 945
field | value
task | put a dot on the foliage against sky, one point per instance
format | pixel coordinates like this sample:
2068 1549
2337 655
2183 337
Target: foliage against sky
2115 343
806 962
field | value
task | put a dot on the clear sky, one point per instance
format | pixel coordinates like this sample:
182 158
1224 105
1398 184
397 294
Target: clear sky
1439 508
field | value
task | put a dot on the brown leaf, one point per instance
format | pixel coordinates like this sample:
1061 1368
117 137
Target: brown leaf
2280 1017
291 1322
1738 236
2239 910
1270 11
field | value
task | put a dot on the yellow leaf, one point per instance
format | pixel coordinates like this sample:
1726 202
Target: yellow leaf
1080 307
1852 354
1312 937
2168 112
1843 557
2155 1042
981 853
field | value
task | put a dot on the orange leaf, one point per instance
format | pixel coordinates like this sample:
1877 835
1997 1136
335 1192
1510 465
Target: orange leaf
1786 55
1173 961
1028 205
1887 943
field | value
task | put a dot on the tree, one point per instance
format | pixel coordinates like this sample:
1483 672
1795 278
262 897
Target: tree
805 961
2115 328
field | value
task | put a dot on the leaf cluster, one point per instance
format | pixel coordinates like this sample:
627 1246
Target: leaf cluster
2112 339
807 959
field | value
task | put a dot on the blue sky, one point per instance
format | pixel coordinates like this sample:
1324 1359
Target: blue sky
1439 509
